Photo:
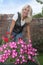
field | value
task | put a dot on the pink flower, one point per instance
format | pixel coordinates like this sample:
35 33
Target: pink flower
13 56
34 49
22 45
0 57
21 50
17 60
33 54
14 53
5 51
23 57
4 46
20 41
15 63
2 61
25 47
33 60
9 51
23 60
12 45
3 58
29 57
14 50
1 49
30 41
30 45
25 51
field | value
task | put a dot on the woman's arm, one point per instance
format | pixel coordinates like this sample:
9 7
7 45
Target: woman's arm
28 31
15 17
12 26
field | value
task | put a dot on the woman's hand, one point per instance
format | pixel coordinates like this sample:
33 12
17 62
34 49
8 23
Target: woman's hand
9 36
12 26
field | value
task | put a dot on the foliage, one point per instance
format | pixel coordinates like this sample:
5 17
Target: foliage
38 44
40 58
38 15
40 1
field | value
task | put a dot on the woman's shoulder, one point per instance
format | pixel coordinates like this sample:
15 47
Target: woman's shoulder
15 17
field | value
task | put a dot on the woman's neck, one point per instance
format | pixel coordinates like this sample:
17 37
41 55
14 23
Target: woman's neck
22 18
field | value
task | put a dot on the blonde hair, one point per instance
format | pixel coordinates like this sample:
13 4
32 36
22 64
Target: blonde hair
28 19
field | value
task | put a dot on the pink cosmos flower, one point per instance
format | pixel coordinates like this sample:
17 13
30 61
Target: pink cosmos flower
29 57
12 45
4 46
30 41
18 50
1 49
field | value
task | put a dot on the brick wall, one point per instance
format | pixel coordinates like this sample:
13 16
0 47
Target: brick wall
36 26
37 29
37 33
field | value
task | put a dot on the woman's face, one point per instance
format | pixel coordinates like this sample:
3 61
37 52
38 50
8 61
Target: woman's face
25 12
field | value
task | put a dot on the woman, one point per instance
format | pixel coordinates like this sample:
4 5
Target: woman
19 21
